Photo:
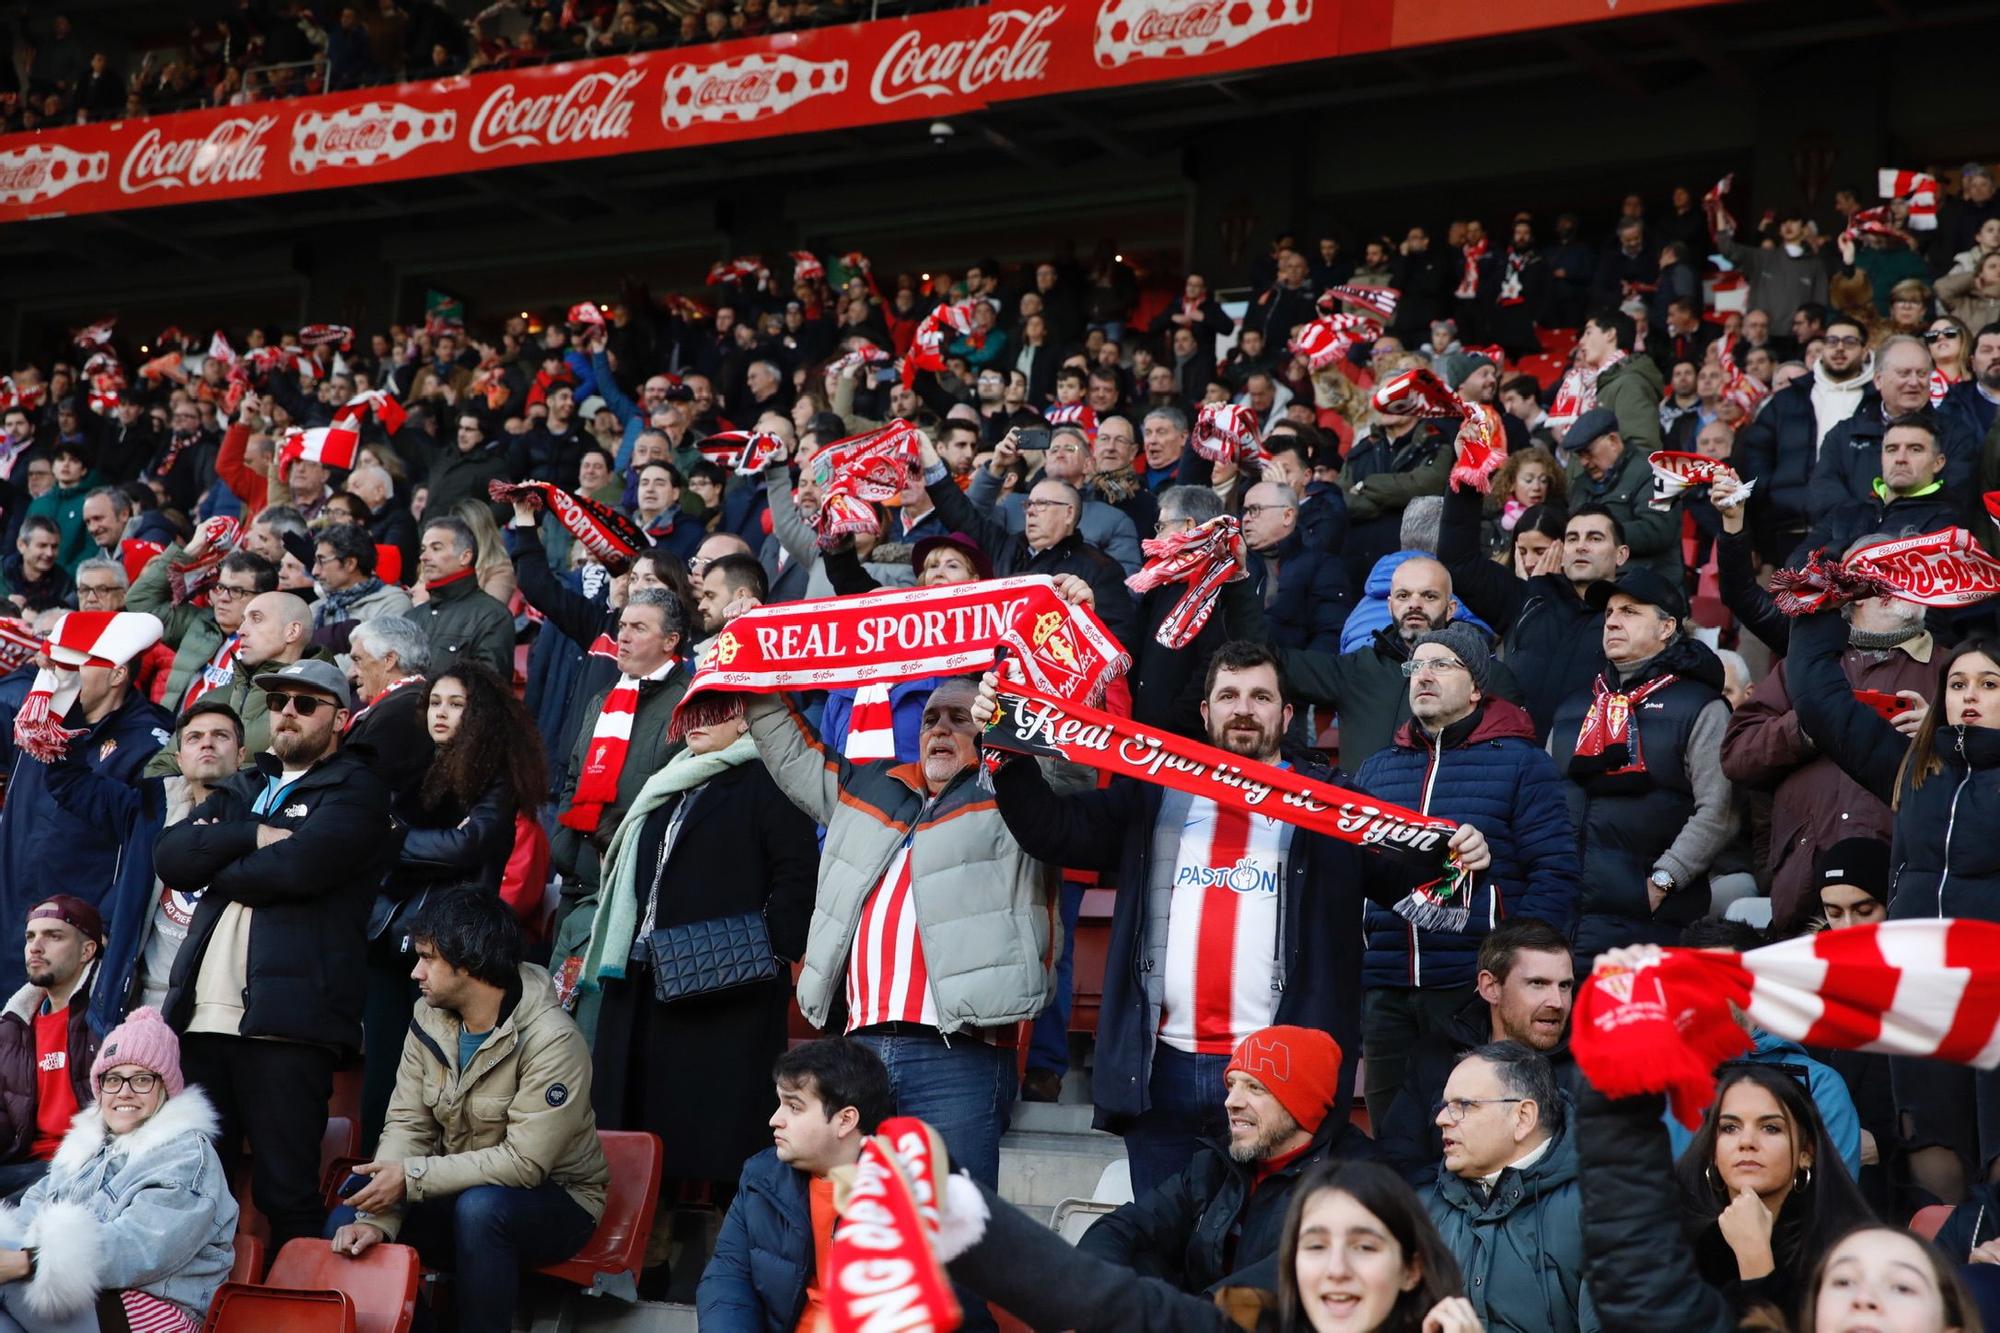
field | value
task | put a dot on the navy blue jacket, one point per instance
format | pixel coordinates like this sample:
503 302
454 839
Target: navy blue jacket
1489 772
1777 451
1850 458
1319 909
1313 595
756 1281
135 811
45 849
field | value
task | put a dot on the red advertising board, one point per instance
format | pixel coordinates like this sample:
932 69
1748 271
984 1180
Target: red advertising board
931 65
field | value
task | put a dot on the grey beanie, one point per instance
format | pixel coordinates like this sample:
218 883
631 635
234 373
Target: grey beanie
1467 644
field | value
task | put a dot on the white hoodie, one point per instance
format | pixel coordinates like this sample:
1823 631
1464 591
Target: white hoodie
1834 401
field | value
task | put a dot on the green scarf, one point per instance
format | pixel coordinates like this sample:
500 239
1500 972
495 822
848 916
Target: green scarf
617 918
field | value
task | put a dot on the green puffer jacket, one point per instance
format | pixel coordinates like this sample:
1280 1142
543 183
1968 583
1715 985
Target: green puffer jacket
1632 388
986 910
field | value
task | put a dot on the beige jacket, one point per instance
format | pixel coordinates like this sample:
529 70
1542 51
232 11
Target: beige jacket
517 1115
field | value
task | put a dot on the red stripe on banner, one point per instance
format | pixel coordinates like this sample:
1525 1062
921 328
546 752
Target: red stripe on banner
1979 1005
1215 946
1860 986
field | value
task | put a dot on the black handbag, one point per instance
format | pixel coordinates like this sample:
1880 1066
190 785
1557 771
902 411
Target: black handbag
702 957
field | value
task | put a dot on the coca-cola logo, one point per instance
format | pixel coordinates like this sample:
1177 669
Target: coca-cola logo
1203 19
1011 50
231 152
361 138
594 108
751 86
47 170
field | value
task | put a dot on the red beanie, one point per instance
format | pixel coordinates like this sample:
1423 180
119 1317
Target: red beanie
1298 1066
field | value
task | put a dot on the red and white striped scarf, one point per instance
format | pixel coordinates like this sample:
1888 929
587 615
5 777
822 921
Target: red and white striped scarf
1928 988
216 672
1204 558
1577 393
1468 279
610 742
871 724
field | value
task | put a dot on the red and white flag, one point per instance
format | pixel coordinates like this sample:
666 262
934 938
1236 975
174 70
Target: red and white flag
1917 187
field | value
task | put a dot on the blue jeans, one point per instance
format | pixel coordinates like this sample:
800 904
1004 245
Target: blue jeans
964 1090
488 1236
1185 1094
1048 1046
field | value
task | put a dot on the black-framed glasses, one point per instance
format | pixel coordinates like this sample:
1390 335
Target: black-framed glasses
1455 1109
141 1083
305 705
1259 509
1939 335
1841 340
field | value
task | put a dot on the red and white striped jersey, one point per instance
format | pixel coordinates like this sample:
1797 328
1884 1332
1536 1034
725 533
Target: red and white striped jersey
1222 929
887 981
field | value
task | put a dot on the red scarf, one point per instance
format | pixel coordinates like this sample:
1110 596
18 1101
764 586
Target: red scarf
1927 988
1033 723
1718 214
380 695
881 1258
1674 472
607 534
214 673
1204 558
457 576
610 741
1577 393
1481 444
862 471
905 634
186 578
1227 432
1608 743
1468 280
1943 568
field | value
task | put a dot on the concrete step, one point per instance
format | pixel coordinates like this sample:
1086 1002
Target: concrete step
1050 1154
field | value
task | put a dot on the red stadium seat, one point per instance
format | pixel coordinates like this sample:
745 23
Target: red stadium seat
1929 1221
238 1308
609 1263
249 1265
1546 369
388 563
381 1284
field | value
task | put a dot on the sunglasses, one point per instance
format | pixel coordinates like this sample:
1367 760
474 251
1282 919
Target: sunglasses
1939 335
305 705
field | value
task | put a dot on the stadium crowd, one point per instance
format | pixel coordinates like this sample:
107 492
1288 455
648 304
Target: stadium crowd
331 742
55 74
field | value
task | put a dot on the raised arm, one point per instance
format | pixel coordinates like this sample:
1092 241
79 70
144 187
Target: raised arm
1854 736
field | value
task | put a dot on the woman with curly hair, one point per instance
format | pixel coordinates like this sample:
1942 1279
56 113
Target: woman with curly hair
1528 478
486 779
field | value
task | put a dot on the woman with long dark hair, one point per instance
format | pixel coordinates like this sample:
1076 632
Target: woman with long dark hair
1944 787
460 829
1763 1192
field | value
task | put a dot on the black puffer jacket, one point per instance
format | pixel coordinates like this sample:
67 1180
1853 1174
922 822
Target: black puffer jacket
310 894
1217 1216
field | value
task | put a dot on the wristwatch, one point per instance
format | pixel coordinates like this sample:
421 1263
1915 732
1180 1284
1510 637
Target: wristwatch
1663 881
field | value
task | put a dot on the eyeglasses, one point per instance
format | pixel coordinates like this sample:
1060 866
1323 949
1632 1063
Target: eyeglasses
1939 335
1259 509
1418 665
1170 525
1456 1109
97 590
1048 504
229 592
1841 340
139 1083
305 705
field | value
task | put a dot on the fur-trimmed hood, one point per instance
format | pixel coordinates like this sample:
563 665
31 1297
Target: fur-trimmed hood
189 1113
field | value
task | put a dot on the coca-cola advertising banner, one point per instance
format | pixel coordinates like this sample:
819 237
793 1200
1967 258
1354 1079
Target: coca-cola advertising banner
940 64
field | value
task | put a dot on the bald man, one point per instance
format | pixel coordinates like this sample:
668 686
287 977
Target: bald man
277 630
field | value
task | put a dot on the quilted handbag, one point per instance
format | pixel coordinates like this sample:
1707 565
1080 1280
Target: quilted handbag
702 957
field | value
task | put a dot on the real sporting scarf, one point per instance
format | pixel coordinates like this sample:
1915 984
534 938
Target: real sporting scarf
1377 301
326 335
1468 278
1719 219
882 1257
1330 338
1927 988
1874 221
863 353
188 578
18 643
610 742
1481 443
745 452
216 672
1032 722
1746 391
927 347
905 634
1577 393
1227 433
1203 557
1608 744
1943 568
862 471
1674 472
77 639
608 535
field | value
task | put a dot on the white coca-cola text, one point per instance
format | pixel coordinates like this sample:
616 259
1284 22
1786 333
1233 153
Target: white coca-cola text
231 152
595 107
1201 19
1011 50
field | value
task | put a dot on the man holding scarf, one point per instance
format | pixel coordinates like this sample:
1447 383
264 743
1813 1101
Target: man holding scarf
1229 920
624 744
1641 752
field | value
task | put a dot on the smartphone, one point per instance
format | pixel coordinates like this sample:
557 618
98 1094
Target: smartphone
1889 706
1031 437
